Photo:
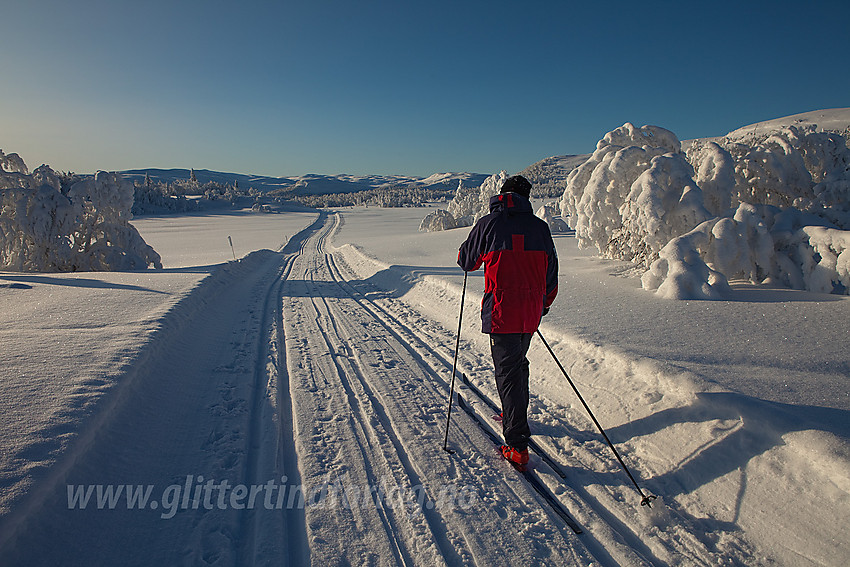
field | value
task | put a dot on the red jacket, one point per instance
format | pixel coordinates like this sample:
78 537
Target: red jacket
520 265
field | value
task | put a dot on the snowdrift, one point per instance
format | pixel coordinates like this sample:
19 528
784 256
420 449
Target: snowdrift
60 223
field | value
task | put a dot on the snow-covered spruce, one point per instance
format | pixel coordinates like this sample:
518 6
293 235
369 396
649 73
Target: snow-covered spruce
53 223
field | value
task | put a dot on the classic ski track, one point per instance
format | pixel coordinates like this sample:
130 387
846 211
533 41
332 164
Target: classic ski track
323 322
408 337
368 438
385 441
683 543
580 499
284 531
378 441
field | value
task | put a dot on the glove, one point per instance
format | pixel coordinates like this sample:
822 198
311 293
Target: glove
545 311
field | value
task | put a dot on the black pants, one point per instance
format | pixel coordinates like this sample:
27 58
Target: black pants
509 350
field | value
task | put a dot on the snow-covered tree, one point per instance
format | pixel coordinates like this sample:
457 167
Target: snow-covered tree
82 225
551 213
773 208
468 205
615 197
663 202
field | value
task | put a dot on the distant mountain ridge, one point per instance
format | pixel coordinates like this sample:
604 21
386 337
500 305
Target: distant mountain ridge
547 175
310 184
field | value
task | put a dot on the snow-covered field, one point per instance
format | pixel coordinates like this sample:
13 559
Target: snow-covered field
289 407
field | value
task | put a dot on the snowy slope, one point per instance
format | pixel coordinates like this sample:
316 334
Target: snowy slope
833 119
549 176
70 341
323 366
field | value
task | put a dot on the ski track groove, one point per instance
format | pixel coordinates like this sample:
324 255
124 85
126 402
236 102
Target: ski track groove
367 441
352 374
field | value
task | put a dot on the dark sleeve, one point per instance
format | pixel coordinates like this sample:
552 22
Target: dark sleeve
470 256
551 273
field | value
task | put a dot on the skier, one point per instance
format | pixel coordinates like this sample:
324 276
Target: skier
520 284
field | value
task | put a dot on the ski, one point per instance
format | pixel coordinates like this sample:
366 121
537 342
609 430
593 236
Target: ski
497 416
532 480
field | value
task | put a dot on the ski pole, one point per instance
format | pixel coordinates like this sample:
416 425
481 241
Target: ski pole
646 500
454 367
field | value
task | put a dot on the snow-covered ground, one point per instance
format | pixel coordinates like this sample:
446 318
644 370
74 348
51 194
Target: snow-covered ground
223 393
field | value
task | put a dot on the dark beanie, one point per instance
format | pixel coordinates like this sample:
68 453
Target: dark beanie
517 184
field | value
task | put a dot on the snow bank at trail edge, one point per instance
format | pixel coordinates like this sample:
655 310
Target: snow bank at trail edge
80 404
727 461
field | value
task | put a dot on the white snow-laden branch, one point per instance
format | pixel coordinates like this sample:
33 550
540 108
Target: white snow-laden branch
50 226
715 175
827 265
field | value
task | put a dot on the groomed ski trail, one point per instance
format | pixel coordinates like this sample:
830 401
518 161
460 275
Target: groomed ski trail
369 413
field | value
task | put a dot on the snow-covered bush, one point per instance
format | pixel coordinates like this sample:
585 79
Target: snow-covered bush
551 213
760 243
437 220
771 208
51 224
633 194
12 163
468 205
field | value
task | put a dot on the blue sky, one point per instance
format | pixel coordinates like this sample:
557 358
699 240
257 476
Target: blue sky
289 88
